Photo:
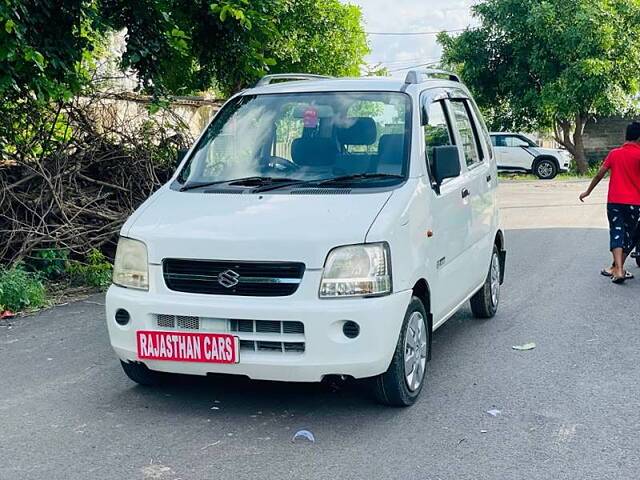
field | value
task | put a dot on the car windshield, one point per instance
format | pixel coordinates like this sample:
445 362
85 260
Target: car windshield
361 137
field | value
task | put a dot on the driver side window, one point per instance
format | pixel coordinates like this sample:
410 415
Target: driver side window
437 132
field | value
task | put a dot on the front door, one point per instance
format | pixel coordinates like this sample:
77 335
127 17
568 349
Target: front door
514 152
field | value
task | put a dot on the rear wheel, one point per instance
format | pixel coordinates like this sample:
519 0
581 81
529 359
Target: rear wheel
139 373
402 383
484 304
545 169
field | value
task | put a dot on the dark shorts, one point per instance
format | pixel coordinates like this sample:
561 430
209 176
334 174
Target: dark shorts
623 225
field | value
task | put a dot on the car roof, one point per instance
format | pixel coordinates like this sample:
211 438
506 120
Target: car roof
382 84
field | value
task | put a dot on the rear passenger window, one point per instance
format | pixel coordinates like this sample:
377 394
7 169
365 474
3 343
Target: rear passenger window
436 132
467 130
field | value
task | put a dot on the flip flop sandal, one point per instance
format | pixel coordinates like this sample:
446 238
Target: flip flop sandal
627 275
618 280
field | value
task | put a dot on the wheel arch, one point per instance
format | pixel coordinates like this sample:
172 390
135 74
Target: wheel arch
545 156
422 290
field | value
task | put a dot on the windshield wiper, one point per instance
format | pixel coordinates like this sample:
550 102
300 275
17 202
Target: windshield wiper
357 176
325 181
238 181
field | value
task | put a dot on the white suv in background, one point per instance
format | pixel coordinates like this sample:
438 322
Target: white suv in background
316 228
518 153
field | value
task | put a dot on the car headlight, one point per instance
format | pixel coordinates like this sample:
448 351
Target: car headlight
357 270
130 268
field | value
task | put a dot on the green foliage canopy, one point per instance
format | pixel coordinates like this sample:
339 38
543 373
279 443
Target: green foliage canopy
175 46
550 63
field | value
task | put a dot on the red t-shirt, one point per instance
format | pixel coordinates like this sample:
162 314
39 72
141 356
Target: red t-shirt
624 185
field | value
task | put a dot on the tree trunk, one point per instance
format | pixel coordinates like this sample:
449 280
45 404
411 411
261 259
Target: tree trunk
570 134
582 165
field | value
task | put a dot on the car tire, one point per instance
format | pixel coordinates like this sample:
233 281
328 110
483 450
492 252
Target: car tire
545 169
484 303
139 373
396 387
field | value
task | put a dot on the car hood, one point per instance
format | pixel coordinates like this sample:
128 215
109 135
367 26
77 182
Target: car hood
268 227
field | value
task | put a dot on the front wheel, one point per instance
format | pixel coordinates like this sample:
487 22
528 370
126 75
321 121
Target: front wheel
545 169
139 373
484 304
401 384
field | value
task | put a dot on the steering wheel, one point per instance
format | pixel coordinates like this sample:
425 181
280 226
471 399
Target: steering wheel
281 164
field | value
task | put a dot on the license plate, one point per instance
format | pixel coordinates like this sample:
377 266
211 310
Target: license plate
188 347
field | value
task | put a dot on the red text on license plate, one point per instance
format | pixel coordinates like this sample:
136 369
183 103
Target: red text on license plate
188 347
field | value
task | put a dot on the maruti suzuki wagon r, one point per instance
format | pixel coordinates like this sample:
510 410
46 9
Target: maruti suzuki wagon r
317 227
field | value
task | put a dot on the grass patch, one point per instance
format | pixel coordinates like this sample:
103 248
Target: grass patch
50 277
531 177
95 272
20 290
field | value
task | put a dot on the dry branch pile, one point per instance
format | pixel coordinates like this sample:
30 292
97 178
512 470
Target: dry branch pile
78 171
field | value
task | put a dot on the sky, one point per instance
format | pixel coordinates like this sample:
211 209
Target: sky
400 52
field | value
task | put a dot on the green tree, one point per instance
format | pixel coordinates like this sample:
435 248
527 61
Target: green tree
48 47
190 45
45 47
550 64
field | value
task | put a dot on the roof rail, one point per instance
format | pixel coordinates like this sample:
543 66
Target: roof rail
419 76
267 79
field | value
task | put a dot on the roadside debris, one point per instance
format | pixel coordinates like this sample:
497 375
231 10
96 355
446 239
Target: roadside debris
304 434
526 346
483 431
6 314
494 412
210 445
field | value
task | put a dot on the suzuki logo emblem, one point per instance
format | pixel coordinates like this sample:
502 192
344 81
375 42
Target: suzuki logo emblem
228 278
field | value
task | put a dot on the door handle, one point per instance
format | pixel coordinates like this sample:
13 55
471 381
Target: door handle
465 192
488 178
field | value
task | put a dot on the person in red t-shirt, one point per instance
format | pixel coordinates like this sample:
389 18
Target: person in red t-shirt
623 202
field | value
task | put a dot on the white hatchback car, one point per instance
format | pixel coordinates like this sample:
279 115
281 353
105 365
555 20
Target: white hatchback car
516 152
318 227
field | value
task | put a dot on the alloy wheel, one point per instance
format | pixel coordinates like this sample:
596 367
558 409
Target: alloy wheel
415 351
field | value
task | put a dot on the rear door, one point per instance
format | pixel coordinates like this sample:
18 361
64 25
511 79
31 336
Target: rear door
501 150
479 180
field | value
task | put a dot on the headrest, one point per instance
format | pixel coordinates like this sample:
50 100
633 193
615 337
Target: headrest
391 144
358 131
314 151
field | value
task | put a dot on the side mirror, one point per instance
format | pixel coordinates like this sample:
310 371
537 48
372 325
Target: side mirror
446 163
181 154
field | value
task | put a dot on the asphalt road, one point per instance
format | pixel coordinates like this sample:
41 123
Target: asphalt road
569 409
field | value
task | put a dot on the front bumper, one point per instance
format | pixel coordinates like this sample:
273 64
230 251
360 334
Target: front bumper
327 350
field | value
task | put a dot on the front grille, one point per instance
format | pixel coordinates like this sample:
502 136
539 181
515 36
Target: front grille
268 346
266 326
263 335
180 321
259 279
